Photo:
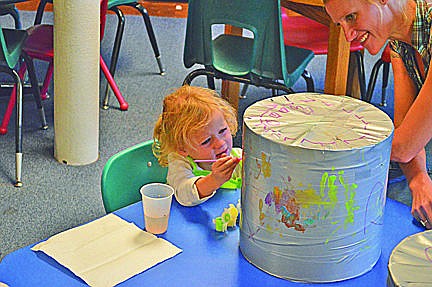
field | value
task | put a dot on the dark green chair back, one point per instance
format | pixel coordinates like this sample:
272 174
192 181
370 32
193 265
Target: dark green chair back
264 56
125 173
12 41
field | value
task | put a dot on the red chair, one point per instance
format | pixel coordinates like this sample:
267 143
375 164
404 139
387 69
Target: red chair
383 61
39 45
302 32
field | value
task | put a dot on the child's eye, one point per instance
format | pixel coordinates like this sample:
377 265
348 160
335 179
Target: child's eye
206 141
222 131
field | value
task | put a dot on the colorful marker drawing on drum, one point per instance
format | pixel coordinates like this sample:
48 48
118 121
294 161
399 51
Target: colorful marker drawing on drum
304 207
264 167
321 205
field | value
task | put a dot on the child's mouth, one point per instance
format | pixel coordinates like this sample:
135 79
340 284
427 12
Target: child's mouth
222 154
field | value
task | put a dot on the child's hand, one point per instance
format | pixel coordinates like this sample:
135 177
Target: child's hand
223 168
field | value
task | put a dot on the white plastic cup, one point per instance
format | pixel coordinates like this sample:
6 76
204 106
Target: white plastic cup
156 198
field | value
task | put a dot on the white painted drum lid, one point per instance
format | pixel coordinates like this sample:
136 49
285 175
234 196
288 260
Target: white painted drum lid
319 121
410 263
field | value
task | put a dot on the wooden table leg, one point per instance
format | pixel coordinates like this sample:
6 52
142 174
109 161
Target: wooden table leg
337 62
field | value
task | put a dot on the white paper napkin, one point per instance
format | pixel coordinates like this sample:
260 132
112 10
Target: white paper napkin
107 251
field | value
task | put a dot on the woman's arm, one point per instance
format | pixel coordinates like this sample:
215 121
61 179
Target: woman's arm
412 116
413 122
420 185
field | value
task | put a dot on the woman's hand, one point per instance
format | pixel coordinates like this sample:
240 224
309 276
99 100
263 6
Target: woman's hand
421 190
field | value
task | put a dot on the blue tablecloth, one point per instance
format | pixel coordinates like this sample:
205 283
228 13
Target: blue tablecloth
209 258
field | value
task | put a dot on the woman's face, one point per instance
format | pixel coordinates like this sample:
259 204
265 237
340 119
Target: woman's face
361 20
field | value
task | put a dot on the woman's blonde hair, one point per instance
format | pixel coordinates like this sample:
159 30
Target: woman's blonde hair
185 111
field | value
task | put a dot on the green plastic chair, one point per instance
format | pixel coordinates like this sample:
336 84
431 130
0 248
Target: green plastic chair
125 173
262 61
11 42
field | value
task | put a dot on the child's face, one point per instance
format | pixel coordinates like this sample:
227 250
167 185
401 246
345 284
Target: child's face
211 142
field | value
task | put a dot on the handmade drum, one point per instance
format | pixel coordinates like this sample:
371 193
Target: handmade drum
410 263
314 186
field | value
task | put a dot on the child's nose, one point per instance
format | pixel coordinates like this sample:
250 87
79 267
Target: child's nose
218 143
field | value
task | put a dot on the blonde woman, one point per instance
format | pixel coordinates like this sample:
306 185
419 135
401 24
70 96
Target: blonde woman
406 24
193 137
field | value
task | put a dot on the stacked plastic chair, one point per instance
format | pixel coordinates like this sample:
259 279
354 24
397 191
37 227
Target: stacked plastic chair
262 61
38 44
44 51
114 5
12 43
303 32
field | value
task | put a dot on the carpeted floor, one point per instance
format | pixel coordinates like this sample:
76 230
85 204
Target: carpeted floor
56 197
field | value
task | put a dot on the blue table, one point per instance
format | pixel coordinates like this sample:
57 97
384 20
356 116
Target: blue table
209 258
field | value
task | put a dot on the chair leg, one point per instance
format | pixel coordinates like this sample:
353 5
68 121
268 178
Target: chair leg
18 126
7 115
35 88
243 91
372 80
115 51
385 79
39 12
151 35
211 83
195 73
18 131
11 103
15 14
309 81
360 73
47 81
123 104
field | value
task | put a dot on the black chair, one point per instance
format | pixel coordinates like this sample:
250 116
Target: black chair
114 5
10 9
11 55
383 61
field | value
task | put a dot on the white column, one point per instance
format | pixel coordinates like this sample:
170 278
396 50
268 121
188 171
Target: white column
76 81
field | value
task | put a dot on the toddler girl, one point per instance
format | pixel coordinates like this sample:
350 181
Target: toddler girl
193 137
